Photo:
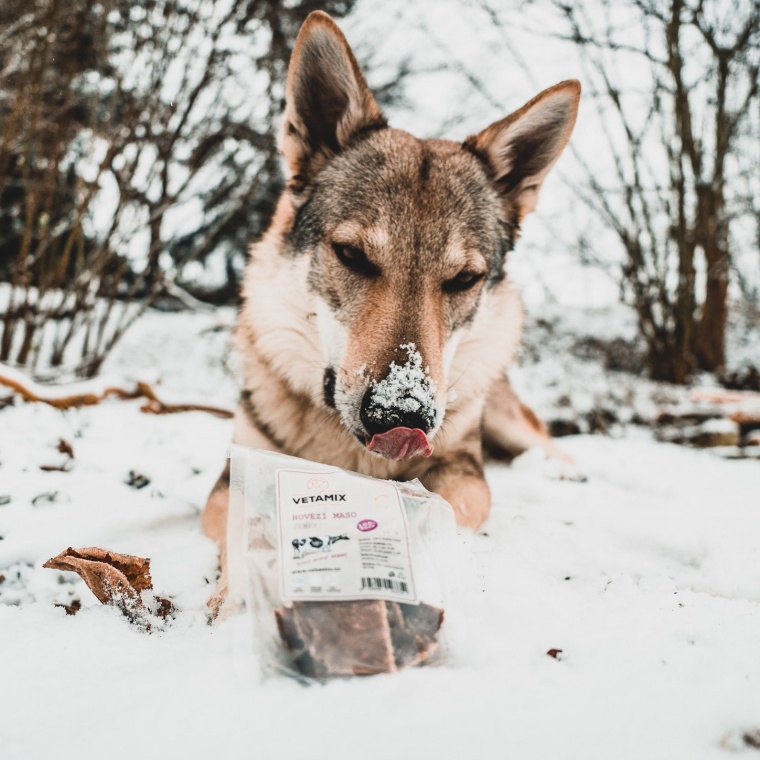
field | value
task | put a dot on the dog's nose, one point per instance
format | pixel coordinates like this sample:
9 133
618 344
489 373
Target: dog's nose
379 417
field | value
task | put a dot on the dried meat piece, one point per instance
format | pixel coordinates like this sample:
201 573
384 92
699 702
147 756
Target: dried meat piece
341 638
338 638
286 625
414 632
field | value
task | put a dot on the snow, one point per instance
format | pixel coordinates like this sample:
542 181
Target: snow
646 577
719 426
407 388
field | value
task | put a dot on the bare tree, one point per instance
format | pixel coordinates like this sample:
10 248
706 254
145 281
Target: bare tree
136 138
675 82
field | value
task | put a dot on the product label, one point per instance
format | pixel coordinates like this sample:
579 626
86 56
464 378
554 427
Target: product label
342 537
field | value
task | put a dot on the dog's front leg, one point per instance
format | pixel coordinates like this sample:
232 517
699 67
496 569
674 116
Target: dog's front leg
215 526
459 479
247 433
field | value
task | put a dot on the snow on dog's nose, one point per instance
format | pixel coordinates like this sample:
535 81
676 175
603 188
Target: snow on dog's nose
399 410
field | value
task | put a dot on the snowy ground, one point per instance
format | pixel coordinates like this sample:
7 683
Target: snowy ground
647 577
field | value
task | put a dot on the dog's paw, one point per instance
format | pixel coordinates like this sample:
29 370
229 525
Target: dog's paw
218 607
551 462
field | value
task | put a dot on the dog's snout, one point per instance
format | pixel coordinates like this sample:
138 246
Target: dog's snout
379 417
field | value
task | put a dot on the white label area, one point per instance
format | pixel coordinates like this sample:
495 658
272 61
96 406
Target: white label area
342 537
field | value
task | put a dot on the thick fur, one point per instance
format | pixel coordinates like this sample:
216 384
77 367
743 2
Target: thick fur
383 241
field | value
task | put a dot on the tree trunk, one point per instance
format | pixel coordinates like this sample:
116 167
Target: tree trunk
710 333
668 365
152 272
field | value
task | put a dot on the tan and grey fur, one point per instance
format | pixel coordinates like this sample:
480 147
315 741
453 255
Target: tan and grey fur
382 240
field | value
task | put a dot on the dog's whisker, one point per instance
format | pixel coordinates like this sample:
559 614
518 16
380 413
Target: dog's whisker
452 385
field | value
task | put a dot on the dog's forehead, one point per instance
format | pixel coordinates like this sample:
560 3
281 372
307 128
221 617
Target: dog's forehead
411 192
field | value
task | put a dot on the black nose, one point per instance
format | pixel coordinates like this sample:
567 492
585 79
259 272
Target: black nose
379 418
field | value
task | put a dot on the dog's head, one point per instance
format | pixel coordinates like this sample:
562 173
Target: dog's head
405 237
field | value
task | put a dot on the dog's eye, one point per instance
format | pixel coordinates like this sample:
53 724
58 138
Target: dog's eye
355 259
463 281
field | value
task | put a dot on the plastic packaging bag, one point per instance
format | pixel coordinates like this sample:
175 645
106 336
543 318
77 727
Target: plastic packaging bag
343 574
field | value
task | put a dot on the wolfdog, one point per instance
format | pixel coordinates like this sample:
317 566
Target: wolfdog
377 320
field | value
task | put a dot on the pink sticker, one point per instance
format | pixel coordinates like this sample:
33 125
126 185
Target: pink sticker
365 525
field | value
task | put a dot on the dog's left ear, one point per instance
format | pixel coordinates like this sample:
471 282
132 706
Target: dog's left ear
523 147
327 98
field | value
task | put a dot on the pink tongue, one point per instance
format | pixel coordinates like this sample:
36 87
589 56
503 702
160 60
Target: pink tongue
401 443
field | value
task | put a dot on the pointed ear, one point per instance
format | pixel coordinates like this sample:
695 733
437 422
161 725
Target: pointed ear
523 147
328 100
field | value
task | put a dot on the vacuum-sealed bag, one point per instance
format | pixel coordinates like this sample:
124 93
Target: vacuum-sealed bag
343 574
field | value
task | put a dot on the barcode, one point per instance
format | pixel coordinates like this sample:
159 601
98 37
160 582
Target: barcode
399 587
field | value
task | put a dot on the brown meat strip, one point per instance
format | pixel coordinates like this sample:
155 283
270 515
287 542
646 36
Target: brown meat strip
332 639
414 629
286 625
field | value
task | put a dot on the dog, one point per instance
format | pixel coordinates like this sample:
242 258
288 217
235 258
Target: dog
302 546
378 322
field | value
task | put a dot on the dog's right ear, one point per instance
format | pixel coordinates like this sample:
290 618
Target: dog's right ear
521 149
328 100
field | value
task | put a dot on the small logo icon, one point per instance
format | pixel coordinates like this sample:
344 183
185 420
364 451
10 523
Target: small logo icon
365 525
320 485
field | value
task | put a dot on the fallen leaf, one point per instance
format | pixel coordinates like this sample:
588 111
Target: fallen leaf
555 653
66 448
2 579
73 608
116 579
4 499
164 607
55 467
137 480
752 738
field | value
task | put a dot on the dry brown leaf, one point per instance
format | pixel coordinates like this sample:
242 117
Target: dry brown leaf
55 467
73 608
66 448
164 607
115 579
137 480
